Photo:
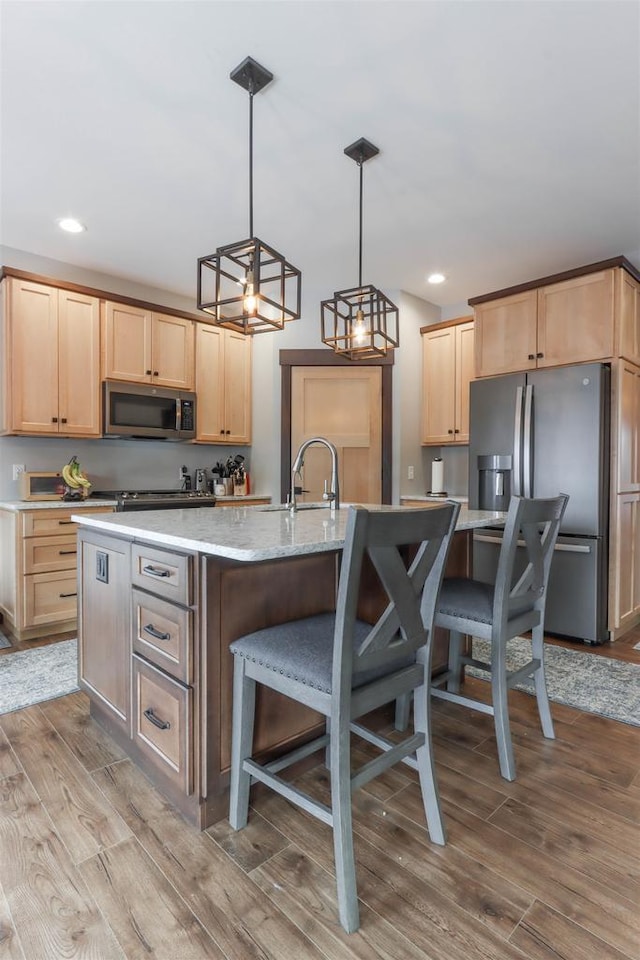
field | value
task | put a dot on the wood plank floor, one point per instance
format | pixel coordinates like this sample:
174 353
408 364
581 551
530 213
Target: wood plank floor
94 863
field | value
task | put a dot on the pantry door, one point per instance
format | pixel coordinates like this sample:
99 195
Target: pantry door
343 405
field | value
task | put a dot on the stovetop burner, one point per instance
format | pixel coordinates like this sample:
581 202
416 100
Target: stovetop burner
156 499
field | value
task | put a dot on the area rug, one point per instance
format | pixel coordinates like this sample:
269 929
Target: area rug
31 676
586 681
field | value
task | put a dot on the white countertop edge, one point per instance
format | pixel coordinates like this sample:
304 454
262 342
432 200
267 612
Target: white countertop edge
17 505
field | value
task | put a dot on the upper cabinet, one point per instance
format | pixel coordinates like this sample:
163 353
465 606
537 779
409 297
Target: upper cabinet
447 369
51 360
223 385
628 315
142 346
587 315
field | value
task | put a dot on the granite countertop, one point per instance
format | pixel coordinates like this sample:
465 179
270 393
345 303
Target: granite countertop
16 505
251 533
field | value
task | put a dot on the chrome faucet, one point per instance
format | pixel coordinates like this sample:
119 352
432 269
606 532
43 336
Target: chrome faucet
333 494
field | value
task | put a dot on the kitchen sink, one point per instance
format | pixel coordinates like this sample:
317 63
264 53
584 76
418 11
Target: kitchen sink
283 507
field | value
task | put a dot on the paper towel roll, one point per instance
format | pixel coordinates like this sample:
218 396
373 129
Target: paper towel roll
437 476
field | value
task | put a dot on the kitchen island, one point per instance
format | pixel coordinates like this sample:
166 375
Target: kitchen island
163 594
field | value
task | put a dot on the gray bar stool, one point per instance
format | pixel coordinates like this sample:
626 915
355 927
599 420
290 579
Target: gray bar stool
499 613
343 668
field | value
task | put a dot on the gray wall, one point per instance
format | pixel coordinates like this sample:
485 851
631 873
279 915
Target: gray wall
120 463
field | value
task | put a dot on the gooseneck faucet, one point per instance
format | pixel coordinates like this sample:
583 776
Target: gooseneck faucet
333 494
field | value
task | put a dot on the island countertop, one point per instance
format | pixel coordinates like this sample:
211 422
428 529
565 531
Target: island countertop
252 534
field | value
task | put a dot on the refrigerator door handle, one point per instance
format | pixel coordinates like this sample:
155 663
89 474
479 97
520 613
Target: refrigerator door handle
559 547
527 441
517 445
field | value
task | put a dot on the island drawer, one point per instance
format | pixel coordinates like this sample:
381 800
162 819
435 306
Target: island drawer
163 723
163 633
163 572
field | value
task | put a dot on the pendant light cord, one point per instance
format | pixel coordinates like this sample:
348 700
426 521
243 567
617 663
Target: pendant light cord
251 158
360 239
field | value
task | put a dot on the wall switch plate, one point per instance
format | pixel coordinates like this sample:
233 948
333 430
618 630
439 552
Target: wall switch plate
102 566
410 473
18 468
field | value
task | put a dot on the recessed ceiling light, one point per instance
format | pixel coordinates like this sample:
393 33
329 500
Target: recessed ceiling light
436 278
71 225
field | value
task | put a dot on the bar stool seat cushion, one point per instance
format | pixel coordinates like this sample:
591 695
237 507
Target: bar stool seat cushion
302 650
467 599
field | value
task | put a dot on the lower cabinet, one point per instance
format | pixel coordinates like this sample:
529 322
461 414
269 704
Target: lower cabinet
624 589
38 589
104 636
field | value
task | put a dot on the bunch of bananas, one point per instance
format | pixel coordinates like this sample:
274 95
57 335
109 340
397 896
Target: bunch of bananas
73 475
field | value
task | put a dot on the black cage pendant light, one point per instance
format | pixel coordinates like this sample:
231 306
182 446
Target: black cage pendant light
248 286
362 322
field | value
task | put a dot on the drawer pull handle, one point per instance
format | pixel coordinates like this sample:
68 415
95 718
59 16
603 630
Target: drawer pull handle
160 724
64 522
68 595
64 553
156 634
156 571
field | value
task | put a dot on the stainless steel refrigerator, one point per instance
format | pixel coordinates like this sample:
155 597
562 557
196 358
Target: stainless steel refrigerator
538 434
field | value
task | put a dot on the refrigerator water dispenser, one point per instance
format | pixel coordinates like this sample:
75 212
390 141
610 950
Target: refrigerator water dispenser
494 475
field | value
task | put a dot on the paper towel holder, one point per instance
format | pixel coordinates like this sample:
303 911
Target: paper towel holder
436 493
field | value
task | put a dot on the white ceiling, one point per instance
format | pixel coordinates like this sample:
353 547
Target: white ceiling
509 136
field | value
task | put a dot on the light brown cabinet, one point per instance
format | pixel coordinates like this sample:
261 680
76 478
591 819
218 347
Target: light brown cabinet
39 555
571 321
624 593
447 370
142 346
624 565
628 314
223 385
50 342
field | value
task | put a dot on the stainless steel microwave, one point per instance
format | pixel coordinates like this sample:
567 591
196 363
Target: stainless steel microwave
148 412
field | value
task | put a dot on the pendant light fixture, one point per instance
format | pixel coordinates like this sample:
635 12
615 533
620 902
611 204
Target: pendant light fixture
248 286
362 322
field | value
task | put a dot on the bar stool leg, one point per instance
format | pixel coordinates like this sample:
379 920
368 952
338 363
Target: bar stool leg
342 825
542 698
500 695
244 703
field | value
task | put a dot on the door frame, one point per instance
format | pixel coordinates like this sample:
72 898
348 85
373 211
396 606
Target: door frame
323 358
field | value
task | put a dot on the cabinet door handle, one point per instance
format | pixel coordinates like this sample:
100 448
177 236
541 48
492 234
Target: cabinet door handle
54 419
155 373
156 571
160 724
148 373
456 430
66 553
64 420
449 431
156 634
68 595
539 355
531 356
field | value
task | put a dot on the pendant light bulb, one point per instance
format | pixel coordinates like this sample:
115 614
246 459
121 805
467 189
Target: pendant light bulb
250 302
359 328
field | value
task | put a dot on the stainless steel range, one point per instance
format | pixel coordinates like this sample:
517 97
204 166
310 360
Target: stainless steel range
157 499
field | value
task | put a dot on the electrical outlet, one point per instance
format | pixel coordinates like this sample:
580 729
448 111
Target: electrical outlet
410 473
18 468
